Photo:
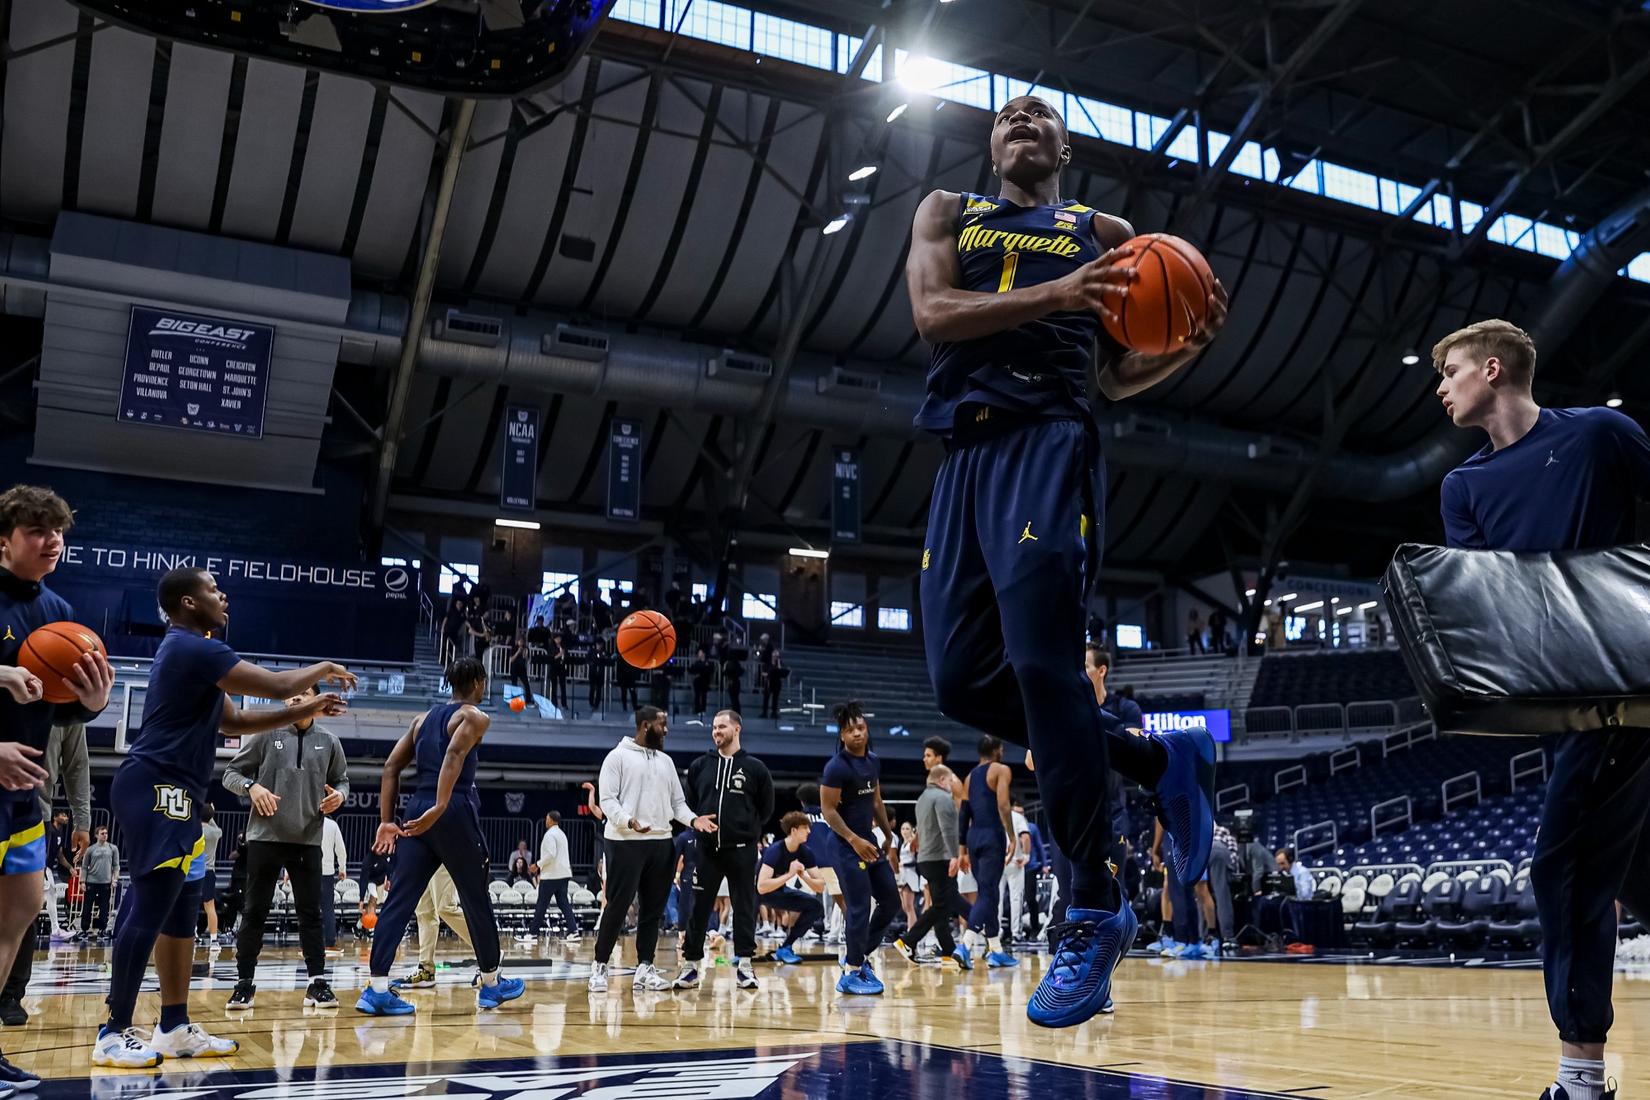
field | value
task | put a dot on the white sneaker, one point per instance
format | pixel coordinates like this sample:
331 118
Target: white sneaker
573 936
743 976
125 1050
598 978
648 977
191 1040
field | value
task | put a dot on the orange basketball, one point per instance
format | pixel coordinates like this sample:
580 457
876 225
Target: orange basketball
518 704
1169 299
369 921
52 650
646 639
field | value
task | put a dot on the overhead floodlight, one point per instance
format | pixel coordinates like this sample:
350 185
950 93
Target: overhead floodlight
835 225
1613 401
1370 604
524 524
897 111
1411 358
1288 597
1308 607
1248 591
808 552
864 173
922 74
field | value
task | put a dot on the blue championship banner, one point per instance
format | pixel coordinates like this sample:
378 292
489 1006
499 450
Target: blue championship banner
844 495
207 374
518 479
624 470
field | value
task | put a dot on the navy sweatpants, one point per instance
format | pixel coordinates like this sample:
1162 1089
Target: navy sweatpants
986 861
454 842
864 925
1593 848
807 907
1014 534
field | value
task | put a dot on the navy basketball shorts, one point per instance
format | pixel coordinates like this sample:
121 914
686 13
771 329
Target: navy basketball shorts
22 835
160 825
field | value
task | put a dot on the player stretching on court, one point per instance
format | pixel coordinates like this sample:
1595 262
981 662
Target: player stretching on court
850 794
1010 290
156 797
443 830
1560 479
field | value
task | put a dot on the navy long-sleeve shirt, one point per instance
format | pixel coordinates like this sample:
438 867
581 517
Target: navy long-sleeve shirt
24 607
1569 483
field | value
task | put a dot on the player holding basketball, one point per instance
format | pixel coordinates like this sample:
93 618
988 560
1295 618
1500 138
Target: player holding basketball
1559 479
1010 291
32 522
443 830
156 796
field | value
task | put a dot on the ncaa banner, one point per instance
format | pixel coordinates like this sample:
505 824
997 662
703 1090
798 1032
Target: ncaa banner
844 495
518 479
624 470
207 374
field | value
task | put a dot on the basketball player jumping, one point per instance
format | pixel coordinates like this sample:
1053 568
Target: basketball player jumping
1560 479
1010 291
156 797
443 829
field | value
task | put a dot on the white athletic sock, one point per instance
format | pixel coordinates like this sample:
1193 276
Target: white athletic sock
1582 1078
995 943
489 977
380 985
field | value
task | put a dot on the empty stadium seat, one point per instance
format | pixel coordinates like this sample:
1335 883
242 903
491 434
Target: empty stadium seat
496 889
1352 902
1479 904
1439 904
1520 926
1399 904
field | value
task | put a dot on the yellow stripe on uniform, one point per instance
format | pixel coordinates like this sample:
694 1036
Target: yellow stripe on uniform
1082 527
16 849
183 863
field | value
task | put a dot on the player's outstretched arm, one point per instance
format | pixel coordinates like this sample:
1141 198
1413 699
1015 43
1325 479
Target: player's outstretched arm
238 723
944 313
246 678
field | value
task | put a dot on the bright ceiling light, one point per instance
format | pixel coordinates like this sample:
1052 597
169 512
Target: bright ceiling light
524 524
1370 604
835 225
1410 358
1248 591
1290 596
1308 607
1344 611
922 74
808 552
1613 401
897 111
864 173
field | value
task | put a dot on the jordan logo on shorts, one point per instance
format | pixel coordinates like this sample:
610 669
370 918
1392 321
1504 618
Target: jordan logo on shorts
1026 535
10 637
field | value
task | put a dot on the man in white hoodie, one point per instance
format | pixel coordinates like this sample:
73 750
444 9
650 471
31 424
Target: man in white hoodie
641 794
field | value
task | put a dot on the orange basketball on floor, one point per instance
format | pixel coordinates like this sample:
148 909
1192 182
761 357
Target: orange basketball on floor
369 921
646 639
52 650
1168 300
518 704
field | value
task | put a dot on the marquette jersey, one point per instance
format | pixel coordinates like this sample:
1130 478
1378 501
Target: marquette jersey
1041 368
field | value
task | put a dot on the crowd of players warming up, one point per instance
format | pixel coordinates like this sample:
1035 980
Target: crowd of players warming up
1021 295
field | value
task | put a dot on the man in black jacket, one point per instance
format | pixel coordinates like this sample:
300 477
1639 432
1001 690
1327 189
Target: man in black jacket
733 787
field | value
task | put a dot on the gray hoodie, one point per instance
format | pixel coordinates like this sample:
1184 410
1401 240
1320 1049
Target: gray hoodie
641 783
297 766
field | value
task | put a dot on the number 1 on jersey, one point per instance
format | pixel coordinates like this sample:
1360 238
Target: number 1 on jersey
1011 262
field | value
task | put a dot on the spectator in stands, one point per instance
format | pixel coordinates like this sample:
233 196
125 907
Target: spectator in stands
700 673
598 662
601 613
555 874
518 670
774 674
334 869
521 865
99 871
733 675
476 625
1289 865
1217 631
455 630
1194 632
293 777
641 794
558 672
624 682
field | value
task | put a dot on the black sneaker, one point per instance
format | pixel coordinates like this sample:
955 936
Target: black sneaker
319 995
242 997
1559 1092
12 1012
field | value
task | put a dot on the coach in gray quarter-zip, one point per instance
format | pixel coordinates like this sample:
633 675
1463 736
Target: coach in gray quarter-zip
293 777
734 787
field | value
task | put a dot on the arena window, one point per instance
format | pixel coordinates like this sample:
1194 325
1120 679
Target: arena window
1129 636
610 589
556 583
452 571
408 563
894 618
847 614
789 40
648 13
760 605
724 24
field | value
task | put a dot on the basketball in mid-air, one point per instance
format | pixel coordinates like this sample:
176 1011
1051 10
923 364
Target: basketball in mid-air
50 652
369 921
518 704
646 639
1169 298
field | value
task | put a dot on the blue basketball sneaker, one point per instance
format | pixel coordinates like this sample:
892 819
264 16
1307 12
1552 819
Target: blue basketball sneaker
964 957
16 1079
786 955
1186 799
1077 984
859 982
1000 959
374 1003
505 989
